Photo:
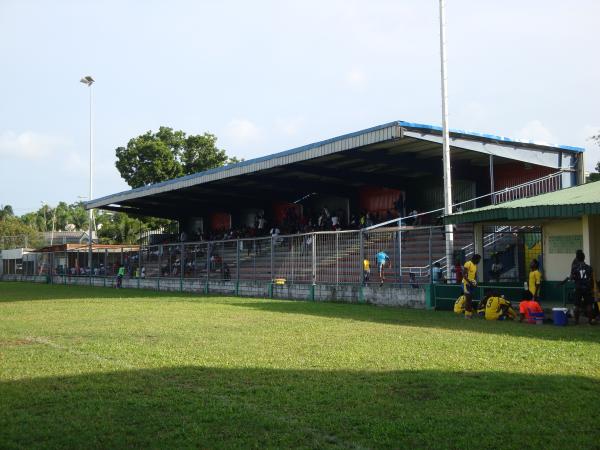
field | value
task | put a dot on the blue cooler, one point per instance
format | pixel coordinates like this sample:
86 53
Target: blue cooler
559 316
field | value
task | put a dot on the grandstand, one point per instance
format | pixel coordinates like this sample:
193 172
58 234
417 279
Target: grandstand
387 171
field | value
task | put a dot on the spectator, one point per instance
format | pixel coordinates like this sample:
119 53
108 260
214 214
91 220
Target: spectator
383 260
366 270
413 280
262 222
120 275
334 220
400 206
437 274
497 267
275 232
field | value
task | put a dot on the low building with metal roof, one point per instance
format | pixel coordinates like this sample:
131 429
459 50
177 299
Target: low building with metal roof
569 221
355 171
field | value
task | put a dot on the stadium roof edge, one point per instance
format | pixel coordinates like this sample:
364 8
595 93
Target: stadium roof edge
152 188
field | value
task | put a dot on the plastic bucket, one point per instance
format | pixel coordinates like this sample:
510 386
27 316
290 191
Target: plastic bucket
559 316
537 318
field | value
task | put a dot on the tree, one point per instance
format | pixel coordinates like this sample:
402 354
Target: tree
15 234
119 228
166 154
6 211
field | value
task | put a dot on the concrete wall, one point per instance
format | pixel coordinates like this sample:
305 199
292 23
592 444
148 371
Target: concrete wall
557 266
348 293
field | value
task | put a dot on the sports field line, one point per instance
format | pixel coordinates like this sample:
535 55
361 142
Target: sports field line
318 435
71 350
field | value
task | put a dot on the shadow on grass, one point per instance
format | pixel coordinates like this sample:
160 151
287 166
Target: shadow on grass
258 408
420 318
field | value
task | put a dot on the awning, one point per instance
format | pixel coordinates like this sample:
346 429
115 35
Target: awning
567 203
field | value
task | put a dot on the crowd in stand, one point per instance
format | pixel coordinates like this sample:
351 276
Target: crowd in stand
322 219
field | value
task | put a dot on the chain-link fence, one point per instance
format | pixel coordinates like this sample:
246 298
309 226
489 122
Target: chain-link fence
312 258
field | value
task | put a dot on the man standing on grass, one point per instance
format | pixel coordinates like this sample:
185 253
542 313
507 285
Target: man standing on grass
120 275
583 276
535 279
382 260
469 283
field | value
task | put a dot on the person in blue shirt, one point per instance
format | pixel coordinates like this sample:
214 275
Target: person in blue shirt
383 260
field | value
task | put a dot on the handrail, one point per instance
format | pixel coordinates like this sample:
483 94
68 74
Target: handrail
490 194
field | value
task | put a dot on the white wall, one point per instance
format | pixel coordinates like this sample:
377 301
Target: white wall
557 266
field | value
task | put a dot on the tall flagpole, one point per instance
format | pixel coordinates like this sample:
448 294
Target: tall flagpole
446 141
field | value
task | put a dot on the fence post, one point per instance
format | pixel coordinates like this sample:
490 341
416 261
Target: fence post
337 259
430 257
314 259
361 252
400 251
181 265
207 266
272 255
237 260
139 261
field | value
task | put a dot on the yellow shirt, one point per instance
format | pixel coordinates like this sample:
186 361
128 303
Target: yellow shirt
535 279
366 265
493 307
459 305
470 272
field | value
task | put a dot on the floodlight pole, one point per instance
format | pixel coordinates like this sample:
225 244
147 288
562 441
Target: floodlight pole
88 81
446 140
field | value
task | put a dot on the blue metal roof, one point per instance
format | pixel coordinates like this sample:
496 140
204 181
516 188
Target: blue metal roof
141 191
492 137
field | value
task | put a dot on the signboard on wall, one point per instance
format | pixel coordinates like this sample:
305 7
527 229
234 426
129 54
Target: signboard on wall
565 243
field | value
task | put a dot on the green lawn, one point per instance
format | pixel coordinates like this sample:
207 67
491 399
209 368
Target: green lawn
103 368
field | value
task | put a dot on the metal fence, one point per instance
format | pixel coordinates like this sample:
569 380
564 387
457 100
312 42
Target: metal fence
310 258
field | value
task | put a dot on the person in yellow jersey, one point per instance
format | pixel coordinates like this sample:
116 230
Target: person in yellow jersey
459 305
498 308
469 283
535 279
366 270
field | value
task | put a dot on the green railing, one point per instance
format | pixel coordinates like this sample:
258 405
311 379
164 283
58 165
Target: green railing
552 293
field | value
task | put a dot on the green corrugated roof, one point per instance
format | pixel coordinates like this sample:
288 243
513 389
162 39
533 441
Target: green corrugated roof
571 202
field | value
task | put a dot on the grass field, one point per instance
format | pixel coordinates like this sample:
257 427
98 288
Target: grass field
103 368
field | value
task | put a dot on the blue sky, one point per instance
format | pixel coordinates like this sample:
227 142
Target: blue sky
265 76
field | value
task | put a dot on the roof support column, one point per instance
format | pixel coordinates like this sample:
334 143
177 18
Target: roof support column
492 183
478 242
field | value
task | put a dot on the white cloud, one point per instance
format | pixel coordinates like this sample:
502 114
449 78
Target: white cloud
536 132
290 126
29 145
355 78
243 131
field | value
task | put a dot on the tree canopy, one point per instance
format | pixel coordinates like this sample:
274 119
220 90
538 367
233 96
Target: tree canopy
166 154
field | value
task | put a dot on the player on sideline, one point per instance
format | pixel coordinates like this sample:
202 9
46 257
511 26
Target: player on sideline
469 282
583 295
382 260
535 280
